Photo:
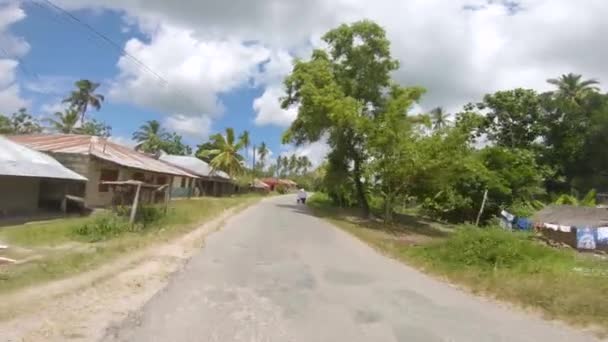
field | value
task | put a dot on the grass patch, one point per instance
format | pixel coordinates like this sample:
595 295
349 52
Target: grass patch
62 251
509 266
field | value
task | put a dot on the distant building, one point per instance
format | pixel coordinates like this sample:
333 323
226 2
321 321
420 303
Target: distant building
31 182
99 160
210 182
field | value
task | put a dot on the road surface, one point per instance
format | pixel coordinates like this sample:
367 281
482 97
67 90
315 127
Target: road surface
276 273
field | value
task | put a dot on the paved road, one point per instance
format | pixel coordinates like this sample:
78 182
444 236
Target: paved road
276 273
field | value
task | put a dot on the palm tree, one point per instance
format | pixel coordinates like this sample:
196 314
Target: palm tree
150 136
227 157
65 122
304 164
83 97
573 88
293 164
244 138
439 118
262 153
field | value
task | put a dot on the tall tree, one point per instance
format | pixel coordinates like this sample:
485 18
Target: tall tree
244 137
304 164
20 122
262 153
84 97
573 88
65 122
513 118
227 157
150 136
96 128
338 91
439 118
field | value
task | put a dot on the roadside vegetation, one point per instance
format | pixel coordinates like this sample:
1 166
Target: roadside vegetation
63 247
515 267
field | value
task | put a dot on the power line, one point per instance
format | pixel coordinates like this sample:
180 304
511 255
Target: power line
105 38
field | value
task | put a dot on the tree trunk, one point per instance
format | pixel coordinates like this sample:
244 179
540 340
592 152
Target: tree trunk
360 188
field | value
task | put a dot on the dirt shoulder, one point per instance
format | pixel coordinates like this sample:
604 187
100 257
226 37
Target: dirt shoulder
81 307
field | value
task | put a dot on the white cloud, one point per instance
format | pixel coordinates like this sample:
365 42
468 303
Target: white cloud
11 48
268 109
190 126
53 107
458 54
316 152
121 140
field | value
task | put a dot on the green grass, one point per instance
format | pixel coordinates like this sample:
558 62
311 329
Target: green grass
509 266
80 255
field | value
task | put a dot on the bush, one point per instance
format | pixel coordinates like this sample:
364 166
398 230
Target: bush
281 189
103 227
147 215
494 248
319 200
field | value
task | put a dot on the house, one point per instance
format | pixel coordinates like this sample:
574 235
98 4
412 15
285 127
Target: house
274 182
101 160
33 182
210 183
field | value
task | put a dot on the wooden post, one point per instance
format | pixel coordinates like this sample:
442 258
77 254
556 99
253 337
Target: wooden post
135 203
483 204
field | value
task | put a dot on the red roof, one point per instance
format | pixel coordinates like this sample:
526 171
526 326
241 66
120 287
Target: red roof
98 147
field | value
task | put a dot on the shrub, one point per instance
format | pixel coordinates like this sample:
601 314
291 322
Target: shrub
281 189
319 200
494 248
147 215
103 227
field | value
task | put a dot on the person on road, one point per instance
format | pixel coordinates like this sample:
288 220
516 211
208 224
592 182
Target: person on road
302 196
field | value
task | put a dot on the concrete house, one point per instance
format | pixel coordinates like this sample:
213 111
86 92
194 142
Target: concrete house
210 182
99 160
32 182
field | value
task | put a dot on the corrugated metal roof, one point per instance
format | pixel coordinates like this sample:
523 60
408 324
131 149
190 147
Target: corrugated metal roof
194 165
18 160
98 147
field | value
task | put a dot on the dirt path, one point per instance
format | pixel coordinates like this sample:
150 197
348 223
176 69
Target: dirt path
80 308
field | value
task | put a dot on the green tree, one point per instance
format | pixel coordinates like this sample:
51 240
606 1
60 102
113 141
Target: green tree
206 146
226 154
174 145
20 122
513 118
337 91
439 118
573 88
65 122
84 97
96 128
150 136
244 137
262 153
304 164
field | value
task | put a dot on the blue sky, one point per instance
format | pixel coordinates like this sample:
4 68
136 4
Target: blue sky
63 51
225 61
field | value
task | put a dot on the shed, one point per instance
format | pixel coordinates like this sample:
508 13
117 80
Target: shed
574 216
31 181
102 160
210 183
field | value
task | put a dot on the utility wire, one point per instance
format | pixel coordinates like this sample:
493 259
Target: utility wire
105 38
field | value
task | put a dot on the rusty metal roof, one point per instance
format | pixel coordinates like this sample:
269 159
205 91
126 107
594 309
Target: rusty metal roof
18 160
100 148
194 165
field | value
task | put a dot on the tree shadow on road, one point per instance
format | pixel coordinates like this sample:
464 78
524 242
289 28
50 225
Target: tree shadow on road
298 208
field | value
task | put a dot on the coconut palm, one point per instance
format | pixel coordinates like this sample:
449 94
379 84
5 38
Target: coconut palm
227 157
263 153
439 118
304 164
573 88
150 136
65 122
244 138
83 97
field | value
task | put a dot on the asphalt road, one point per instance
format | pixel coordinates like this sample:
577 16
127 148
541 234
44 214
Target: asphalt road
276 273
